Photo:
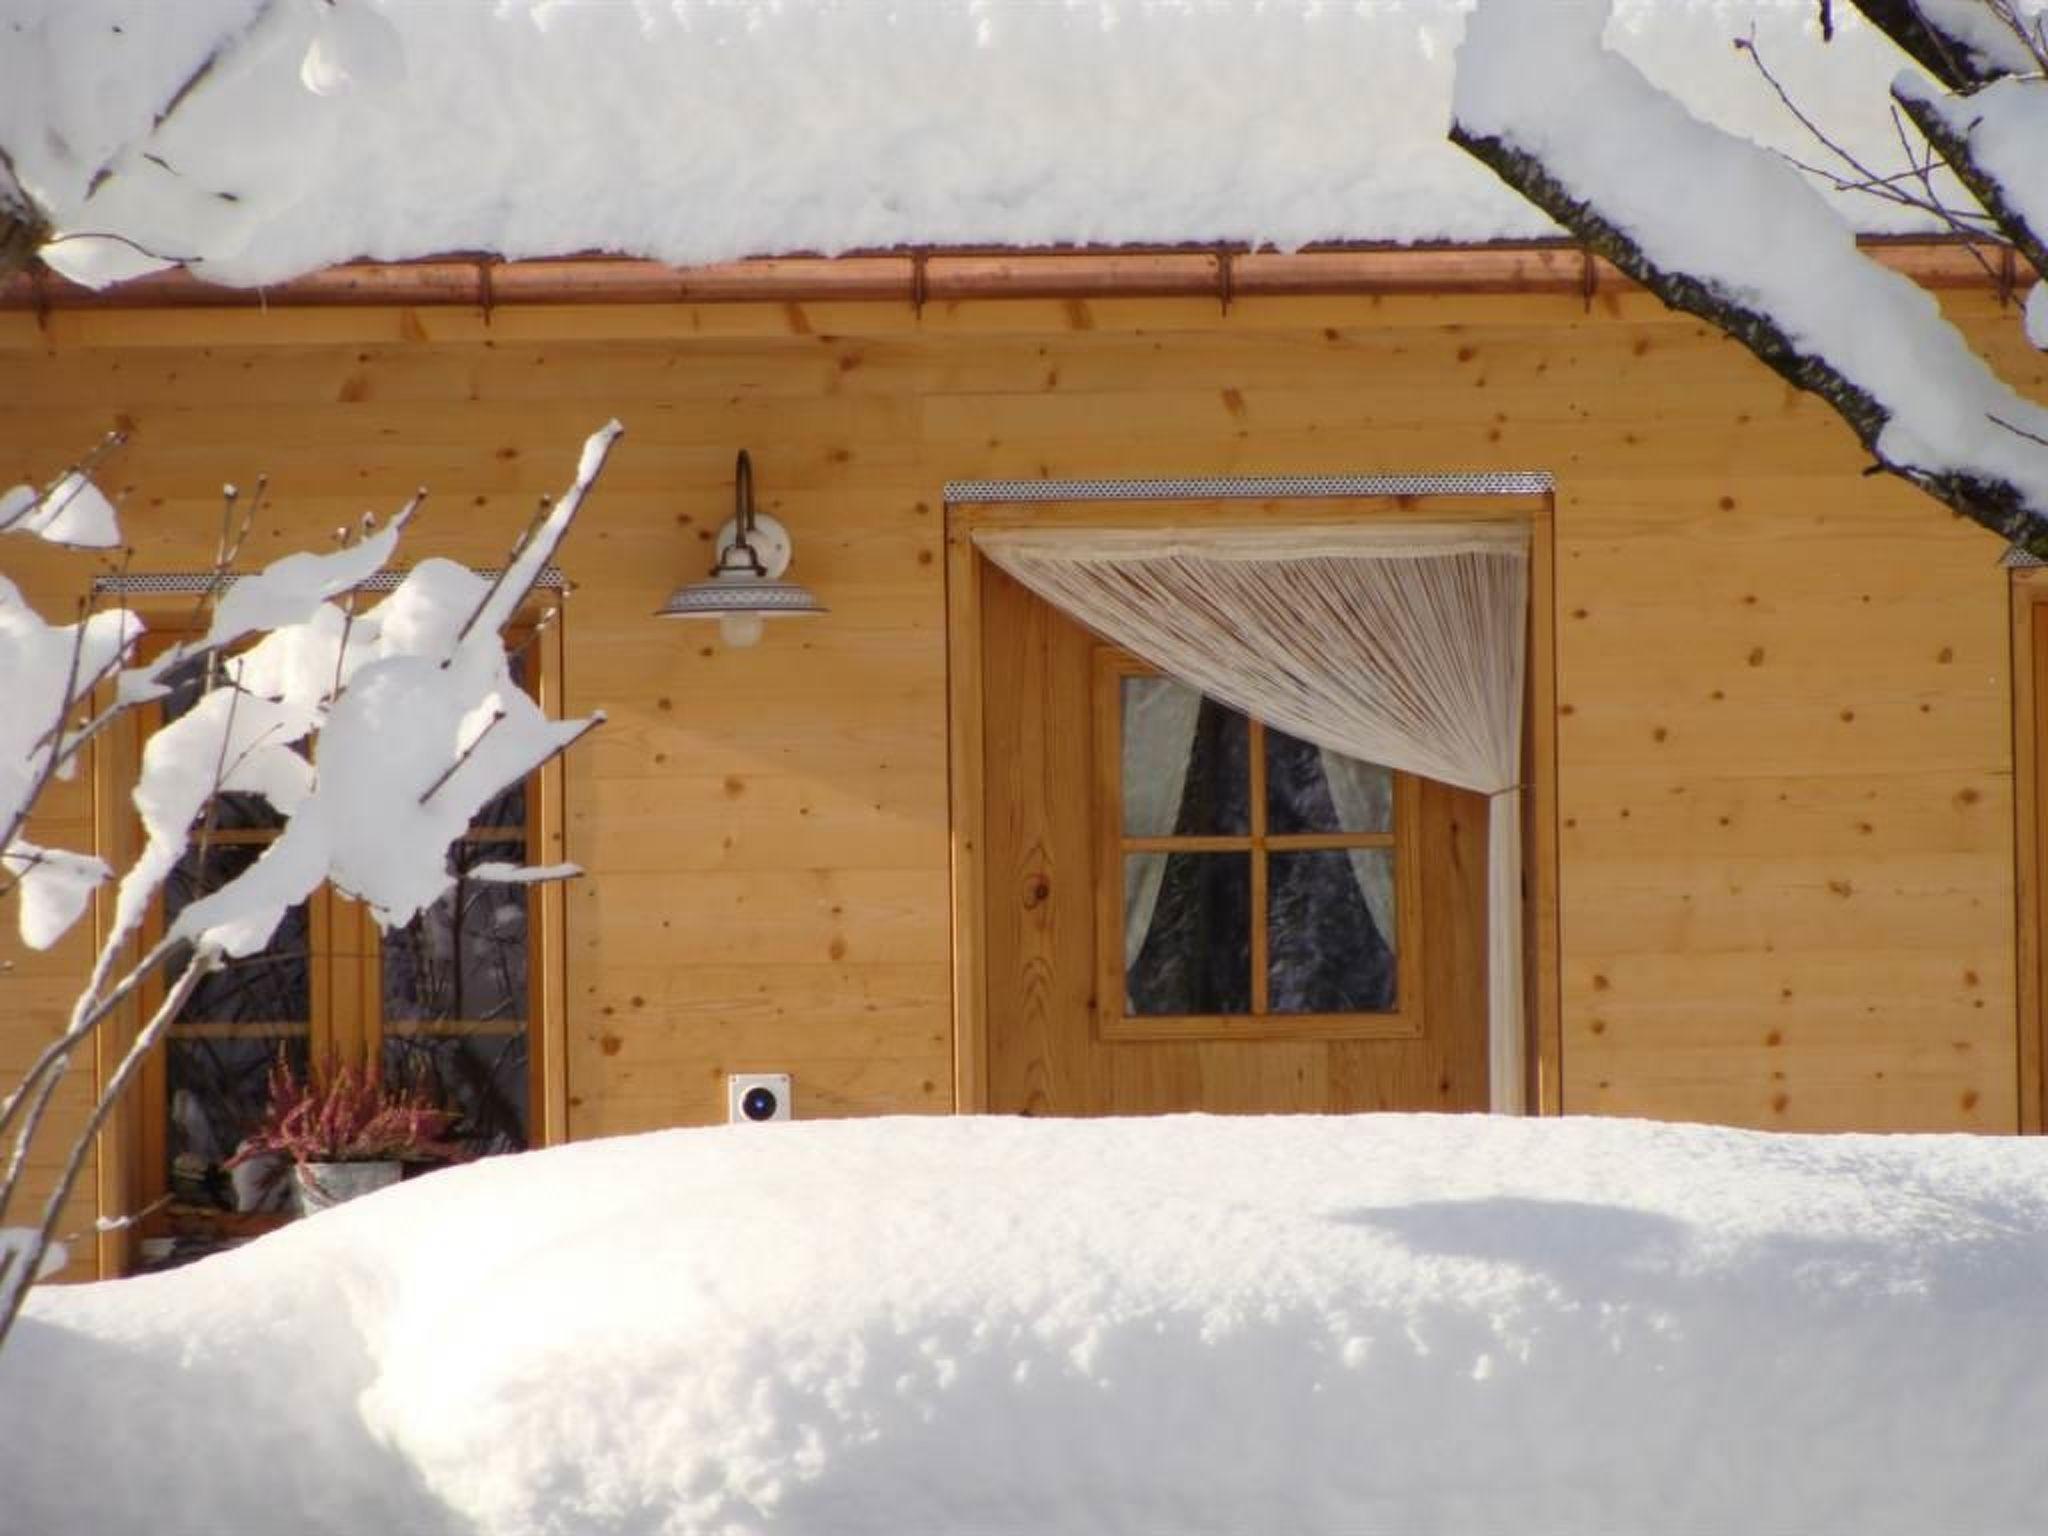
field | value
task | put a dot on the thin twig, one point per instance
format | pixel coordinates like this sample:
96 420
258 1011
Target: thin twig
106 1224
541 626
1922 167
1887 187
22 863
79 696
1748 46
2017 431
134 245
348 623
229 495
465 755
74 477
519 545
348 613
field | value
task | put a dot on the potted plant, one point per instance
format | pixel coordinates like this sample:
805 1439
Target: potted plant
346 1131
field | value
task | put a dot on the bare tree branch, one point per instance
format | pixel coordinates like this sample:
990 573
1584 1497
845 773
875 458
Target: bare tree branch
221 52
203 962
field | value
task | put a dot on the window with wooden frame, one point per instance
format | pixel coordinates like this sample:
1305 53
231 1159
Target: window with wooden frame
1250 885
452 999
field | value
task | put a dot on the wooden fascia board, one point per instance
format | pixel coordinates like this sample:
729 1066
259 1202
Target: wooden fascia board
942 275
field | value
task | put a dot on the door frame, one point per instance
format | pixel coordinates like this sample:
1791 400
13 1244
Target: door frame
2029 604
1527 499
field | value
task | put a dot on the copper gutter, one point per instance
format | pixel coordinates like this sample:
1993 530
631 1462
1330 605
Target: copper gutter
941 275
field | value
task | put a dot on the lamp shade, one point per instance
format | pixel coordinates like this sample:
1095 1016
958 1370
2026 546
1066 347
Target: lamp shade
745 586
727 593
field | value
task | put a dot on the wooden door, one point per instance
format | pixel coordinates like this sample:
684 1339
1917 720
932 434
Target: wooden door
2032 671
1046 1054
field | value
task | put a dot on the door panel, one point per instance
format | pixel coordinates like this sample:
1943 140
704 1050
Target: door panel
1044 1053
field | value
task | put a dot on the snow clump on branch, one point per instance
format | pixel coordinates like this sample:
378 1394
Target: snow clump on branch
417 720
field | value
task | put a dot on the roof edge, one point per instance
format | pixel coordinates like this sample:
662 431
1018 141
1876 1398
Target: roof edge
944 274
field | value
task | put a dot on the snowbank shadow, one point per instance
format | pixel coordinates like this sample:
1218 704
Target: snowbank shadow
1571 1240
198 1436
1971 1259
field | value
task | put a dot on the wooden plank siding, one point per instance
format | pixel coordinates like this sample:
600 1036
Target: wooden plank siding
1784 733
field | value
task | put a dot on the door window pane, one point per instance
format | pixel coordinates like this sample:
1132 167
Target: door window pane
1311 790
1194 956
1185 769
1330 929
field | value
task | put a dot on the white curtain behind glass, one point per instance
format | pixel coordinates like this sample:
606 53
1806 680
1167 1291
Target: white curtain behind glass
1360 795
1396 643
1159 734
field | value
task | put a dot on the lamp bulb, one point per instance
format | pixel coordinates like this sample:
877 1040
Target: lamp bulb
739 630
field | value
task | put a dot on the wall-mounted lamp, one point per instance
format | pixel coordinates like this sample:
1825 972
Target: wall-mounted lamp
745 585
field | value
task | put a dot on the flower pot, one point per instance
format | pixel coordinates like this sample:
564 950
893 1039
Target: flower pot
321 1185
259 1184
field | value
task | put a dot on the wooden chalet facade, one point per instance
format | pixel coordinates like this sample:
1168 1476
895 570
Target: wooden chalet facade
1782 845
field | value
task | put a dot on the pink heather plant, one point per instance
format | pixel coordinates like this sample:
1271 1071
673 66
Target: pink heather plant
343 1115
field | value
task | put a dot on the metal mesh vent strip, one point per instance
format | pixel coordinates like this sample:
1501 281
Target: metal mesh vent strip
1252 487
193 583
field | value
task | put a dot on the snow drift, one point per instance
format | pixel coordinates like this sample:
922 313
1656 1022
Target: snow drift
1379 1323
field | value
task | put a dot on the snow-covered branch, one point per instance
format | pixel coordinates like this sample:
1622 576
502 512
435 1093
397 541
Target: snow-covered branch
337 45
1985 108
24 228
1992 141
1962 43
1719 228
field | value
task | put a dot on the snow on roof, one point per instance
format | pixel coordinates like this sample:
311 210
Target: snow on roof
1374 1323
703 130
